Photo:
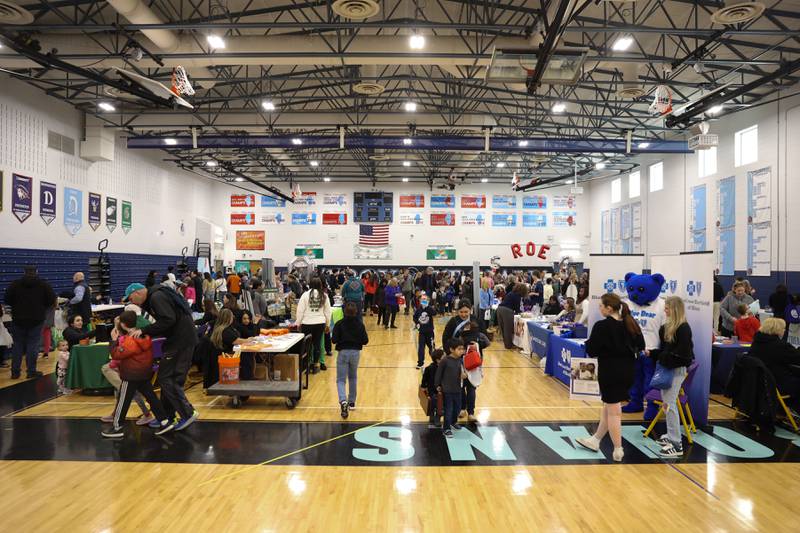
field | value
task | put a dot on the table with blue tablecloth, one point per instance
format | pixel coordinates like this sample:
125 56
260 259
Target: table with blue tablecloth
539 338
559 355
723 359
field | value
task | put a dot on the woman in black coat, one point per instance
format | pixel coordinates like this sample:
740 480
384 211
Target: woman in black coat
75 332
780 357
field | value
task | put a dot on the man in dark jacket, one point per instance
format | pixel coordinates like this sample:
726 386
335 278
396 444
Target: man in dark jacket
173 320
80 298
30 298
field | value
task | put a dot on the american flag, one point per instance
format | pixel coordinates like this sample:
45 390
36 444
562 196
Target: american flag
373 234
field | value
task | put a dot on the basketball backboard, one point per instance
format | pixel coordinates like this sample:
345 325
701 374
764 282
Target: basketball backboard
515 65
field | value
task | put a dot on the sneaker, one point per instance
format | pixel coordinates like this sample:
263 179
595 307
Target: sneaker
618 454
393 326
344 406
433 426
113 433
462 414
448 433
145 420
163 425
419 366
315 369
590 443
670 450
35 374
322 366
456 426
107 419
662 440
183 423
352 406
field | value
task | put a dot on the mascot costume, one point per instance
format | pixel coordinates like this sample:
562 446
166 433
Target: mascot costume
644 291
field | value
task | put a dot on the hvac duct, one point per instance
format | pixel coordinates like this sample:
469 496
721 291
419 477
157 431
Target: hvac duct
98 142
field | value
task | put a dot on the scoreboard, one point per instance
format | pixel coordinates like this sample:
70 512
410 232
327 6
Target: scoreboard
373 206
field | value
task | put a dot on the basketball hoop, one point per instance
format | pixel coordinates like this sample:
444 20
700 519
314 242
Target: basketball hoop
181 85
662 101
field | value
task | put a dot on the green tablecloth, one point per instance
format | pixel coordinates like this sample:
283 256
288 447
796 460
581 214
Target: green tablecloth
337 313
84 367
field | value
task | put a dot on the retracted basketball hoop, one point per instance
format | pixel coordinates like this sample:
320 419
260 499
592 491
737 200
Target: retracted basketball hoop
662 101
181 85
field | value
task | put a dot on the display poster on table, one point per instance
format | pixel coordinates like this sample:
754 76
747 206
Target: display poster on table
21 196
243 200
564 219
312 251
608 275
306 199
564 202
522 338
443 200
127 216
441 252
95 203
334 219
243 219
271 201
443 218
111 214
73 210
473 201
562 352
47 201
334 200
534 220
415 201
540 338
504 219
504 201
583 383
726 225
272 218
759 223
636 228
250 240
534 201
411 219
306 218
693 276
697 219
473 219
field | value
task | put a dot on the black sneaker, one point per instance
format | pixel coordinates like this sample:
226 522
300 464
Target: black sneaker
671 451
352 406
35 374
456 426
322 366
419 366
448 433
393 326
344 408
113 433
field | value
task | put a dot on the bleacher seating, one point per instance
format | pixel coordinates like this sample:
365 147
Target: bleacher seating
58 266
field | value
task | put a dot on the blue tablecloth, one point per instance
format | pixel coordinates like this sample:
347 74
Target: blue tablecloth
560 354
723 358
540 339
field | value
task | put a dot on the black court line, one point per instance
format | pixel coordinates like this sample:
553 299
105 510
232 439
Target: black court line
26 394
694 481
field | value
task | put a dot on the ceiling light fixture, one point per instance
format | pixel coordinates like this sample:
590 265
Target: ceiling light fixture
407 141
522 144
500 164
268 105
314 163
643 145
405 180
211 163
170 142
599 165
105 106
406 163
239 179
717 109
326 179
297 142
623 43
559 107
410 107
416 42
215 41
484 180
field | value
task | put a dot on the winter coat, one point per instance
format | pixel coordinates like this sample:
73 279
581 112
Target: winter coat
30 298
135 357
752 388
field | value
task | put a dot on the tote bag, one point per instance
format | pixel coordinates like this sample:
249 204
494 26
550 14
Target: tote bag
662 377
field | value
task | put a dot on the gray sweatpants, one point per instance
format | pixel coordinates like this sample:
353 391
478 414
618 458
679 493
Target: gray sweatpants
505 323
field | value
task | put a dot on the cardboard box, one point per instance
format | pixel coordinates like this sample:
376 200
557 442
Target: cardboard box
288 365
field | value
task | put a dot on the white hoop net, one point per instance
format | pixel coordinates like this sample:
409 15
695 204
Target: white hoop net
181 85
662 101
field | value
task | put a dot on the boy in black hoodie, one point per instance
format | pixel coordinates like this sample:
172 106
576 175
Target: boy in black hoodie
423 319
349 336
428 383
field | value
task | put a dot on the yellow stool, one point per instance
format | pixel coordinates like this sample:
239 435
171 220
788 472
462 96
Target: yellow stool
686 417
786 410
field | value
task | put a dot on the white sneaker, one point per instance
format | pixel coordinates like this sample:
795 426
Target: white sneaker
618 454
589 443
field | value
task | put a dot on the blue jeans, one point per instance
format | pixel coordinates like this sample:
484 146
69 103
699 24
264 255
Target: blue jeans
452 405
425 339
26 341
347 370
643 373
670 397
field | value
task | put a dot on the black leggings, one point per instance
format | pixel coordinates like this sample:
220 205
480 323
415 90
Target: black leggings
316 331
389 313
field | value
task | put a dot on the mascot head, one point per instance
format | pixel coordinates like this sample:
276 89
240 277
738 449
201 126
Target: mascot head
643 288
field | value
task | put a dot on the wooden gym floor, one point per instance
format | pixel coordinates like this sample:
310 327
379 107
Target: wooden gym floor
266 468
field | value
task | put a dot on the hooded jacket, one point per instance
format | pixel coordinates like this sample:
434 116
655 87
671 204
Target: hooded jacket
353 290
777 355
173 319
135 357
30 298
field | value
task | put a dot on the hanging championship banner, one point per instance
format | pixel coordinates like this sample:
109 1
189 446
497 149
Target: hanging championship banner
111 214
564 219
313 251
504 201
95 201
410 219
473 201
443 219
250 240
21 196
243 200
536 201
473 220
504 219
534 220
127 216
272 218
412 200
334 219
304 219
243 219
73 210
306 198
47 202
271 201
442 252
334 200
443 200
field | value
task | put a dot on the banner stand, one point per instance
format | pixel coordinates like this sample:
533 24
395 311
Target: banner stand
608 275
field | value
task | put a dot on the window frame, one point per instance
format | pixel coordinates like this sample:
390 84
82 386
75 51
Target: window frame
738 153
638 181
616 187
650 168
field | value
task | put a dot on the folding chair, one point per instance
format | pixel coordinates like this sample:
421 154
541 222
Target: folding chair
789 416
682 403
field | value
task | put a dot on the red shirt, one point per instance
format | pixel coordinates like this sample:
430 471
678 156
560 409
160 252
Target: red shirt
745 328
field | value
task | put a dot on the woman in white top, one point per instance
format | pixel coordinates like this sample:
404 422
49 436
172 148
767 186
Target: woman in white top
572 288
314 317
582 307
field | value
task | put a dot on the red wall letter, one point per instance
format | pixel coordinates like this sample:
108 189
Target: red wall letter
530 249
543 249
515 251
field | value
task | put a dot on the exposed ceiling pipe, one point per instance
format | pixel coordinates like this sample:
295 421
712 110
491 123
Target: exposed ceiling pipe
166 40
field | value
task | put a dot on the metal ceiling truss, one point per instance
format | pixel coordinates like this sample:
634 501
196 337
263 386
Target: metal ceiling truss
675 44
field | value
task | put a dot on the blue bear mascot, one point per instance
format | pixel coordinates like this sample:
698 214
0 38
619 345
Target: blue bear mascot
644 291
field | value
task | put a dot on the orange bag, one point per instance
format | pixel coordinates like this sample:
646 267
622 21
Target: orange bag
228 369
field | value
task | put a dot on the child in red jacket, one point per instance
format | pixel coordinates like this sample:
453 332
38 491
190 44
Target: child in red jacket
134 360
746 325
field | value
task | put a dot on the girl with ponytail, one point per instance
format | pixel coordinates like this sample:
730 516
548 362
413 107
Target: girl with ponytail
614 341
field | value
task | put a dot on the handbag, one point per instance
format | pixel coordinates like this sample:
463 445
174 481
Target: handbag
472 359
662 377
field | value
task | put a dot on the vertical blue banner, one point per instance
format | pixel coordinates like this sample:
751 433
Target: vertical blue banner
726 225
73 210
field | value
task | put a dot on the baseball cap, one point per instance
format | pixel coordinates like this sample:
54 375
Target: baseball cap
133 287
